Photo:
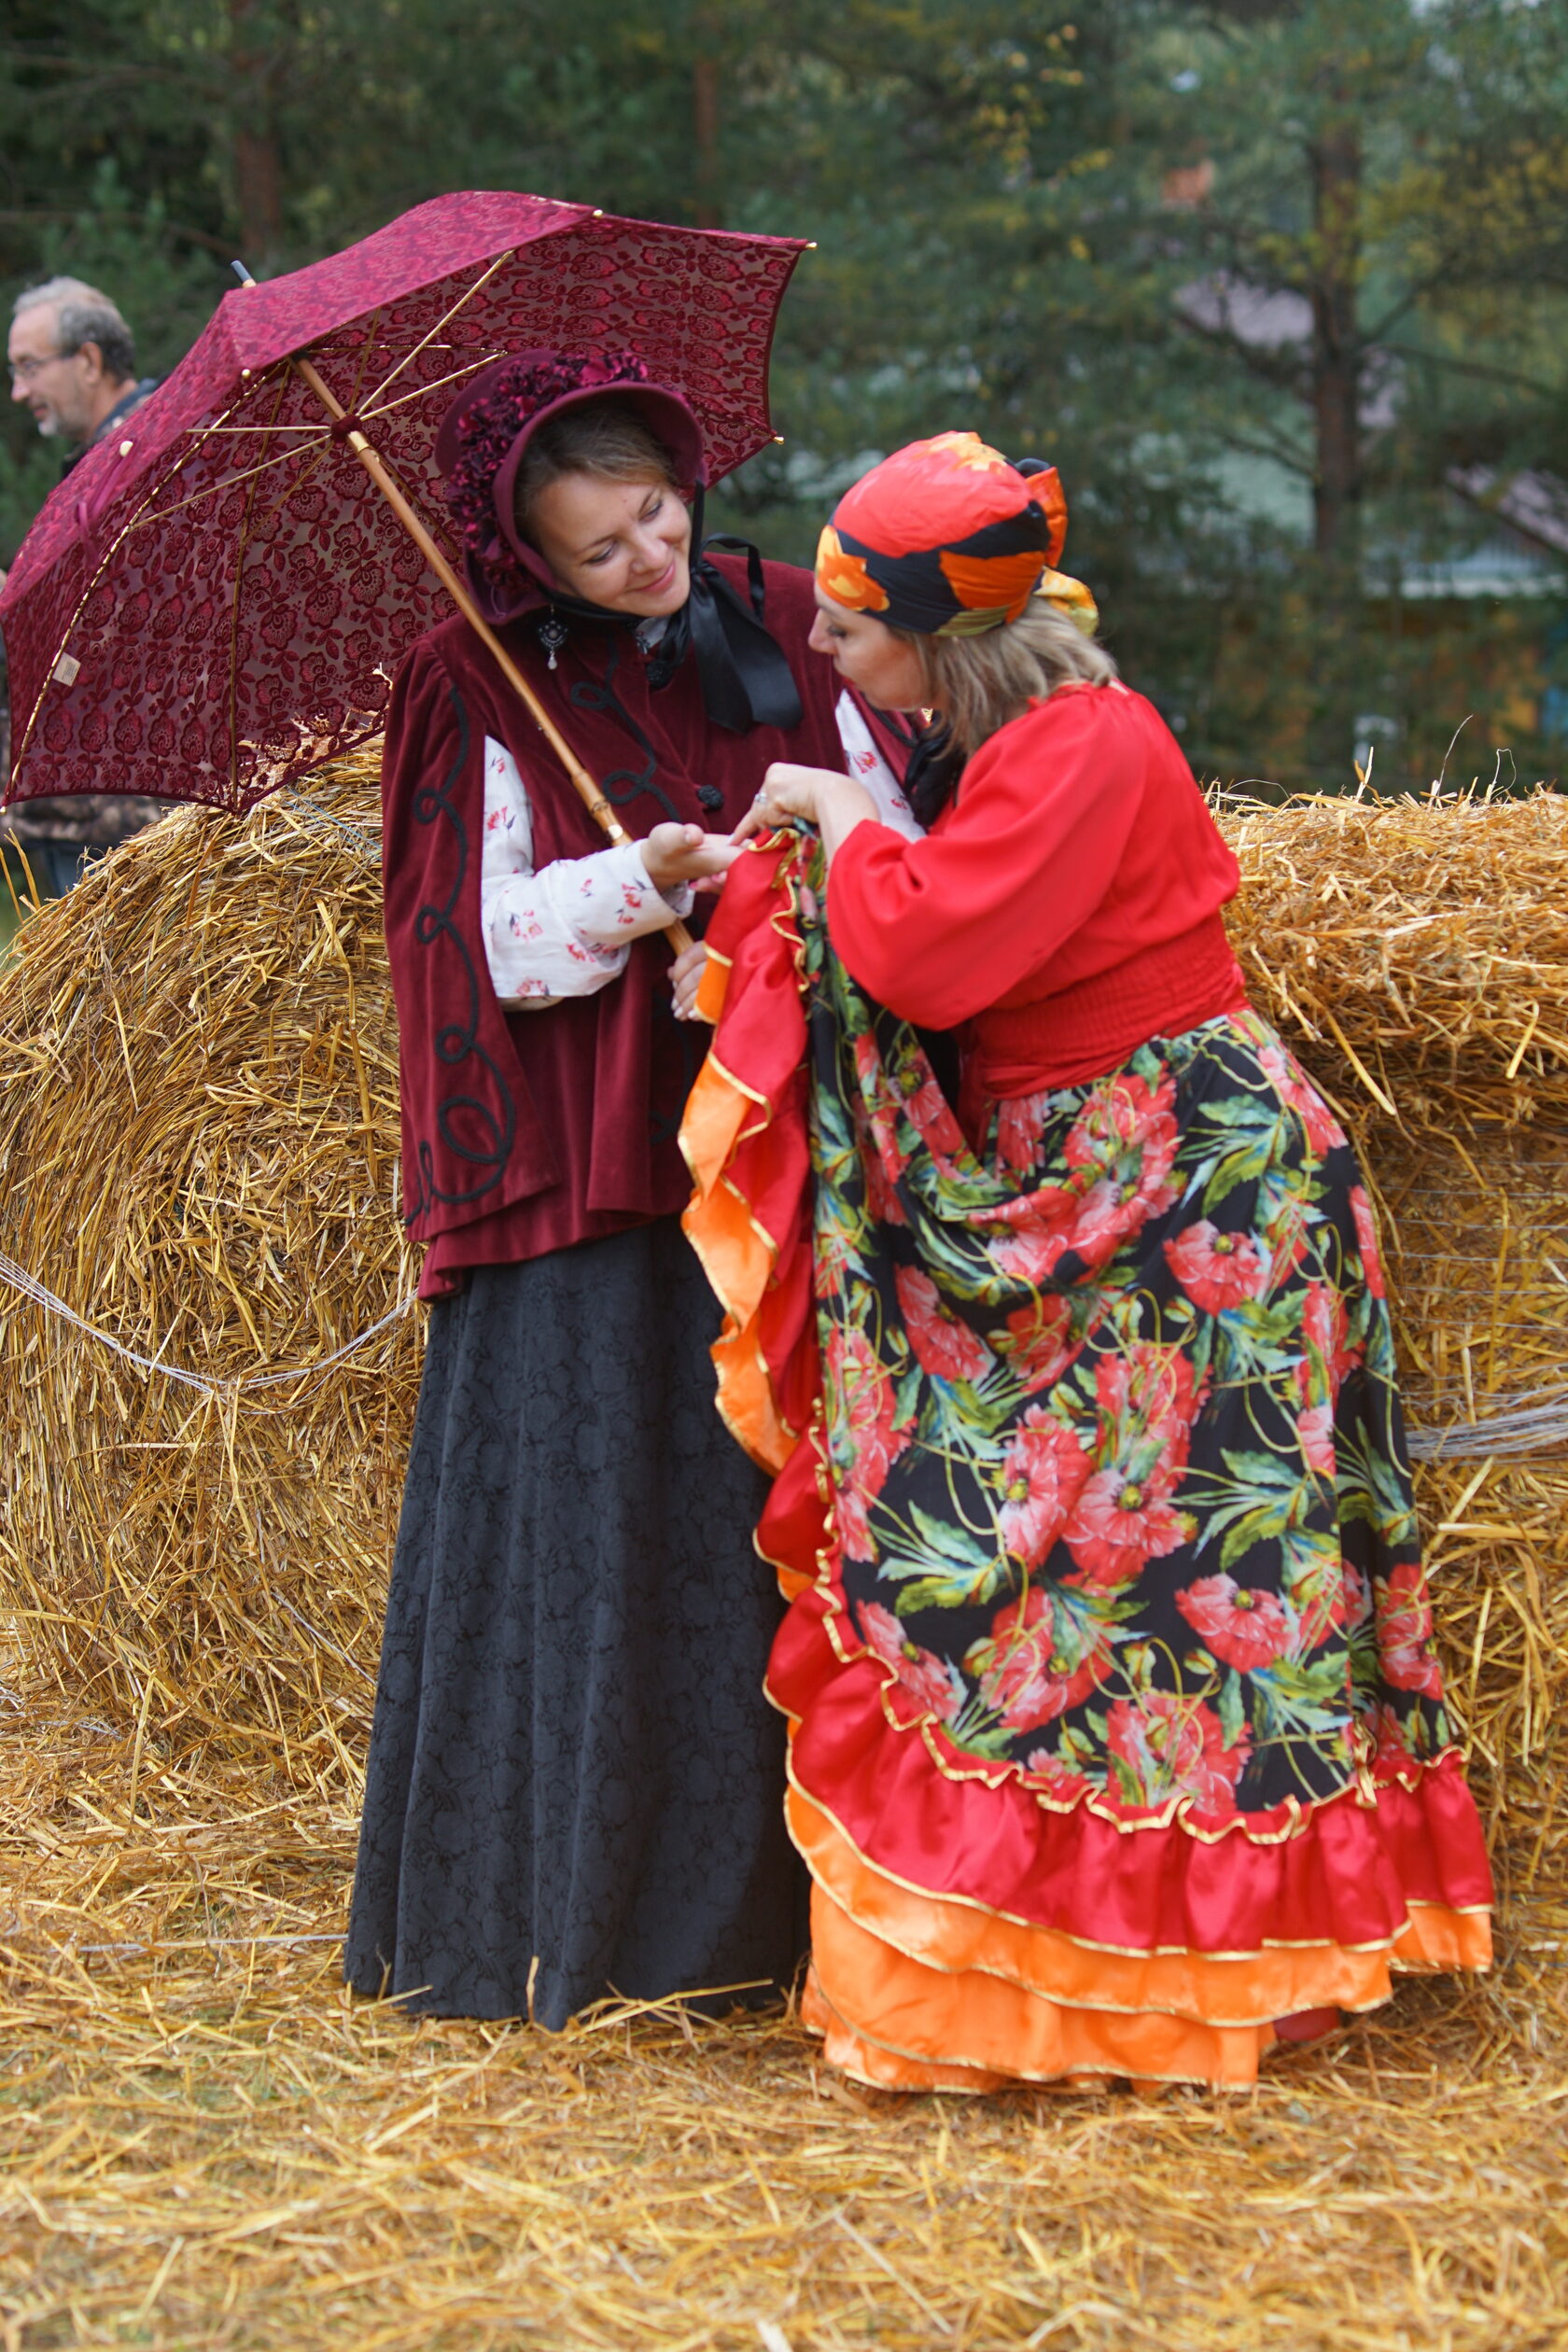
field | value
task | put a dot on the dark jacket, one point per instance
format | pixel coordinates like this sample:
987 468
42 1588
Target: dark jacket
526 1132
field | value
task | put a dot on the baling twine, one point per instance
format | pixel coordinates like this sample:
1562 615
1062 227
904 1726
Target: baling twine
1533 1422
232 1388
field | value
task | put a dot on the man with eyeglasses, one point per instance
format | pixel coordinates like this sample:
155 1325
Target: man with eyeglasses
73 362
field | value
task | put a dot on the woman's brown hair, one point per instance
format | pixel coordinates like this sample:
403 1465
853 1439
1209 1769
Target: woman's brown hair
603 436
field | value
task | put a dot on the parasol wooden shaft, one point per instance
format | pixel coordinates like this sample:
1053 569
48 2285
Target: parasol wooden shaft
452 580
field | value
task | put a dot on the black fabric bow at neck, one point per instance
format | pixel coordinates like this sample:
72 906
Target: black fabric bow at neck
743 671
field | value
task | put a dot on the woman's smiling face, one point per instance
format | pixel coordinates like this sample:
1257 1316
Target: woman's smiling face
626 545
886 668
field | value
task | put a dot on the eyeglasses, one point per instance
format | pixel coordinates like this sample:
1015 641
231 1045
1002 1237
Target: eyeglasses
25 370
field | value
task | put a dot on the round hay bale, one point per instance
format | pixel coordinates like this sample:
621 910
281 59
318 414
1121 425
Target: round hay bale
198 1149
197 1146
1415 954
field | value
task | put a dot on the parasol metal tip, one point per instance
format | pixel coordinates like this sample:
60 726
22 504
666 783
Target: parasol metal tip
778 437
242 274
811 244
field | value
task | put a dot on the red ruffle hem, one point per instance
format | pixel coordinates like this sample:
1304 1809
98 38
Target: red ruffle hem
970 1931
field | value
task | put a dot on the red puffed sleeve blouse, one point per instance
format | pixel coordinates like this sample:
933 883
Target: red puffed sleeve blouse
1064 908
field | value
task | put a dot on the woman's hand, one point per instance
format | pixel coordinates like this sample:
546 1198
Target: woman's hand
686 978
835 804
674 854
788 792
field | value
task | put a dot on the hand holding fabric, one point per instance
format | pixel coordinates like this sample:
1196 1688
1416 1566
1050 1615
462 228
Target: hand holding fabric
834 803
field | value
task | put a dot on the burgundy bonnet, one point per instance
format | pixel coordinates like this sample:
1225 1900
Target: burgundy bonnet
485 433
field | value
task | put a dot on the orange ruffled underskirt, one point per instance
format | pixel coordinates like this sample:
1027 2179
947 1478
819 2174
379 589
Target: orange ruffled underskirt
911 1993
912 1990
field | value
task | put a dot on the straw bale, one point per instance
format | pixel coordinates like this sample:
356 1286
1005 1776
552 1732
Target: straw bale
198 1135
1415 954
1426 941
207 2145
198 1138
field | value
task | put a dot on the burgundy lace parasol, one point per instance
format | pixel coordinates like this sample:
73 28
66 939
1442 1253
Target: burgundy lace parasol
217 600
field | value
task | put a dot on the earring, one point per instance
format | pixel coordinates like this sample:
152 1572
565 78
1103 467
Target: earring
552 634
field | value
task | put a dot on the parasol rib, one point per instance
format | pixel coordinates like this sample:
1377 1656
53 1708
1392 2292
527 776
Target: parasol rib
430 333
402 507
463 374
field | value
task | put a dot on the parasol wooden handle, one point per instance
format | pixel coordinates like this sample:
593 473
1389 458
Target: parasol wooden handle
452 580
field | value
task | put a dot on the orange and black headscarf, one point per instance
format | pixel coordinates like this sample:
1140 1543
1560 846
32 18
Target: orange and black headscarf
946 538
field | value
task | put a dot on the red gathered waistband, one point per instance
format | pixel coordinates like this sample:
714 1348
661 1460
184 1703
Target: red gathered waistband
1085 1031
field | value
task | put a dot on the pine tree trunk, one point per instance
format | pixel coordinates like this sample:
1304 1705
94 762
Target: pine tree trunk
705 123
258 165
704 118
1336 163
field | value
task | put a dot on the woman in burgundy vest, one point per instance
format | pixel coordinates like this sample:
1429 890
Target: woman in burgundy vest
574 1783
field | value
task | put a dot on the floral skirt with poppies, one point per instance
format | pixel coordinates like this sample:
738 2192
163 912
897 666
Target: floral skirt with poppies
1117 1733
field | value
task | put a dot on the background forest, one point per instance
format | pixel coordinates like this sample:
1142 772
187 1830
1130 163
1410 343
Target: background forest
1282 285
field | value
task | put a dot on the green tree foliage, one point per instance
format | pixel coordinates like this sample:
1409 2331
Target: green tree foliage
1370 237
1267 278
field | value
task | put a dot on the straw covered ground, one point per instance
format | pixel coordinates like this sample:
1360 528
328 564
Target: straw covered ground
203 2143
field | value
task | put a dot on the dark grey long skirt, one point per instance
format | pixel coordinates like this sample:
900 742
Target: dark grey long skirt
572 1760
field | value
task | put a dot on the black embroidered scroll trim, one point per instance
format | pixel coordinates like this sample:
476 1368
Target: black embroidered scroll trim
591 694
457 1041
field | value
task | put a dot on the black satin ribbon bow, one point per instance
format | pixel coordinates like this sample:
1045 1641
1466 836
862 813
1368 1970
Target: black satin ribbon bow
745 674
935 765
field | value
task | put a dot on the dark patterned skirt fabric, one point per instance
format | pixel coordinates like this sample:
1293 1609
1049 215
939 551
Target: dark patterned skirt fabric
574 1777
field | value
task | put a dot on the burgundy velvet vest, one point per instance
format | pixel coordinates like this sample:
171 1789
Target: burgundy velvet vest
526 1132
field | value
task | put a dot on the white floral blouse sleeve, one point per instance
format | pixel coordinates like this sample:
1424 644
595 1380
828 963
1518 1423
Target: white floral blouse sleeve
865 763
565 931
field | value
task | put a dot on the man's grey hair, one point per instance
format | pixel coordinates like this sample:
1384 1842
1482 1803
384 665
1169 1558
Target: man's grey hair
84 317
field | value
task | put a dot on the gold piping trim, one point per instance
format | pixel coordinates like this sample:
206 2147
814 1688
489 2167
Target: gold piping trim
1178 1809
881 1934
1088 1943
723 1072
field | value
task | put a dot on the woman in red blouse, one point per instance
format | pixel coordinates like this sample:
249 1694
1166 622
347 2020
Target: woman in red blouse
1117 1741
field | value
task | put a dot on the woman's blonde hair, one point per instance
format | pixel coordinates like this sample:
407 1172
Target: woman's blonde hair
979 683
